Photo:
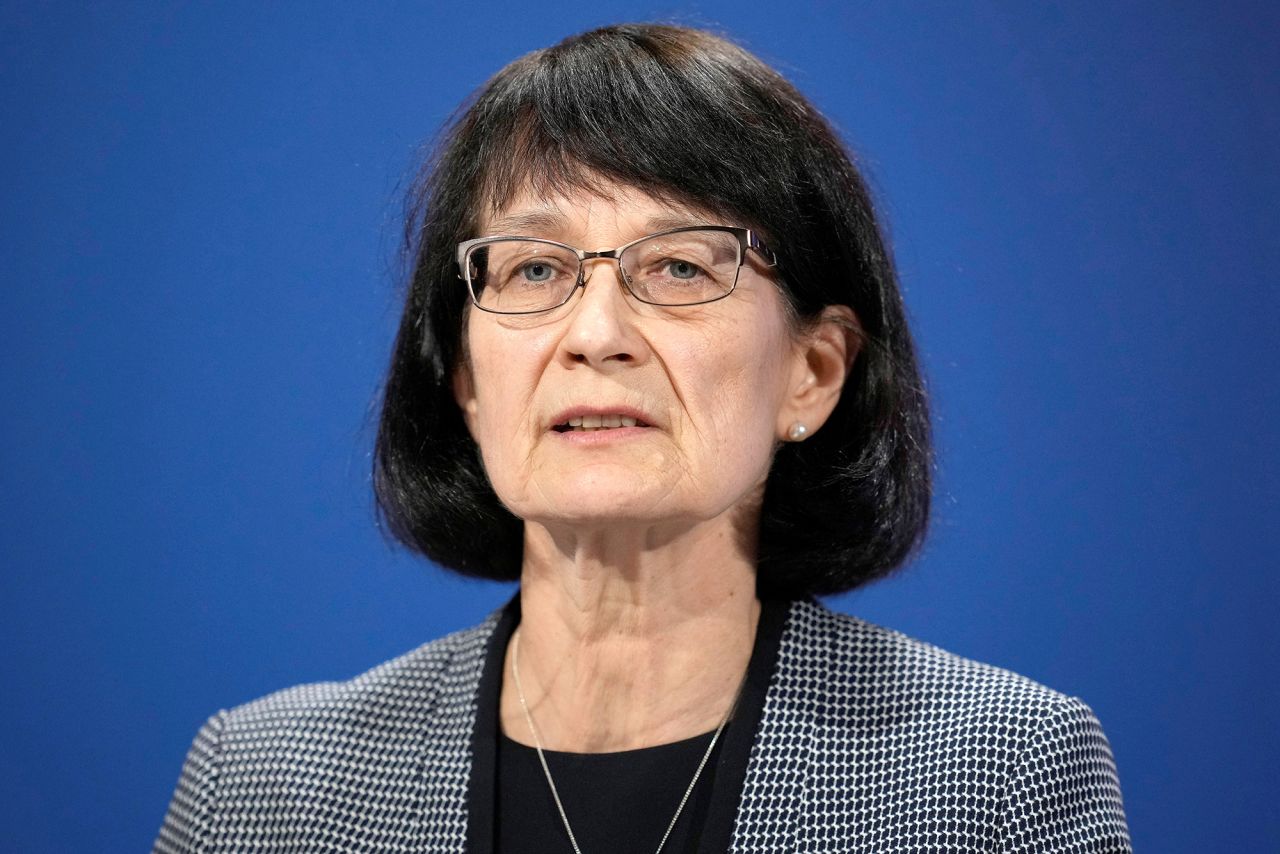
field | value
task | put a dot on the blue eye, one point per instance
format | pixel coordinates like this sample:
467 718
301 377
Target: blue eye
538 272
683 269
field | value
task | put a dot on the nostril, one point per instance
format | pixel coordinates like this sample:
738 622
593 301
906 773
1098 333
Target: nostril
584 359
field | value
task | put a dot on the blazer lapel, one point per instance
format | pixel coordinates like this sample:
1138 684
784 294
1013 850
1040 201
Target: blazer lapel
772 811
445 765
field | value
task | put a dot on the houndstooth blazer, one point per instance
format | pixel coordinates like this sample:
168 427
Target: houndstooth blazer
868 741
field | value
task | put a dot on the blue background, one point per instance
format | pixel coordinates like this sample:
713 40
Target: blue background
200 218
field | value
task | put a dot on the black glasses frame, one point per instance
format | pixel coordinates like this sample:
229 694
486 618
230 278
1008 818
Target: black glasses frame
747 239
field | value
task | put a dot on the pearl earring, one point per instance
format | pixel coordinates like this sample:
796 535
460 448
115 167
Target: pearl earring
797 432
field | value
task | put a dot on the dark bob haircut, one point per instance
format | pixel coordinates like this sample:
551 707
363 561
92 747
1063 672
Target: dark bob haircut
686 116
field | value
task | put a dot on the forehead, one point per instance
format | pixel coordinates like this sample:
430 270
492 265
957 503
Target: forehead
577 214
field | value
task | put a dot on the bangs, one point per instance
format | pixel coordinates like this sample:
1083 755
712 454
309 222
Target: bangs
533 162
591 115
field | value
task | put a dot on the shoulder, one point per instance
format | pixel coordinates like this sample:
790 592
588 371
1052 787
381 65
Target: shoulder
879 711
405 686
871 665
329 763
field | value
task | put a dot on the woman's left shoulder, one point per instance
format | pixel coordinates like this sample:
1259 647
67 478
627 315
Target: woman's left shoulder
882 711
863 659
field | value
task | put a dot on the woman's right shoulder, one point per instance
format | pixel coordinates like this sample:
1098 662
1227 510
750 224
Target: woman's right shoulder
412 679
352 743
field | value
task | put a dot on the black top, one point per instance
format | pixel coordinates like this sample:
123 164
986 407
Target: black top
619 802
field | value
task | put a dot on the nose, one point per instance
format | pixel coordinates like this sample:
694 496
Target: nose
601 327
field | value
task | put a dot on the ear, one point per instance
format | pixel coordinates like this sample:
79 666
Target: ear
822 357
464 392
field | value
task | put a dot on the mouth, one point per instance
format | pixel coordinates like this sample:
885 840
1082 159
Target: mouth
591 423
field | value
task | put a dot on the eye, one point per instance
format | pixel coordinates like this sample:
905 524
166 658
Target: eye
537 271
679 269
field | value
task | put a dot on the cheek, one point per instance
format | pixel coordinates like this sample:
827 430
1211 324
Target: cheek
502 412
501 390
745 429
744 393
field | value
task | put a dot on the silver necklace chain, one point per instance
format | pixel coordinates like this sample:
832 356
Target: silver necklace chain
515 666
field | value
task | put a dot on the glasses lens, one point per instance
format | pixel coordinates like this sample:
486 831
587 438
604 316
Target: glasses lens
683 267
521 275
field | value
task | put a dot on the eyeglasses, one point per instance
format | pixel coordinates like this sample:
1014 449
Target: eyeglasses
684 266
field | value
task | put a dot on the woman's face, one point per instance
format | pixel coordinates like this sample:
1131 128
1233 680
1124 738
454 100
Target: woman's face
707 385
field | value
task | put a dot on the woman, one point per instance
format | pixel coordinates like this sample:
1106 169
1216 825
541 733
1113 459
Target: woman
654 366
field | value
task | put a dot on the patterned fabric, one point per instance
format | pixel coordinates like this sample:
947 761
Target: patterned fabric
869 741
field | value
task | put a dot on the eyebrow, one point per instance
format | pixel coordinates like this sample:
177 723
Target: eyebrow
535 220
548 221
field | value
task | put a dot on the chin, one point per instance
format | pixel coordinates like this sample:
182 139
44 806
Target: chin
614 496
587 510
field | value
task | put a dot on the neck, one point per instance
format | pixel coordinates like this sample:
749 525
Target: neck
629 639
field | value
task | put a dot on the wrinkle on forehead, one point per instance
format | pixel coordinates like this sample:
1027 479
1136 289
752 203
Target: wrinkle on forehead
548 219
538 184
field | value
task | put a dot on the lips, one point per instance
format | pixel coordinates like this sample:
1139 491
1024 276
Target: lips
598 422
588 420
